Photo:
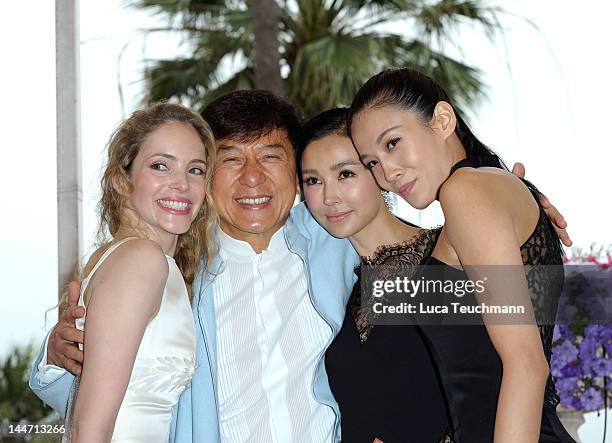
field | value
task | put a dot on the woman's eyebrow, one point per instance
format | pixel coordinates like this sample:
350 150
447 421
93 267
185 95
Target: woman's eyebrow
335 167
382 134
163 154
344 163
172 157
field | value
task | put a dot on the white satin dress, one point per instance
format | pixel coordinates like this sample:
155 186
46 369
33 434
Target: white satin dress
164 364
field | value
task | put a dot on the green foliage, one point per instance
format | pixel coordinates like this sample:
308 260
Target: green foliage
328 48
17 401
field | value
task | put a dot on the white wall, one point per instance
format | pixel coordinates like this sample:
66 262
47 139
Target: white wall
28 227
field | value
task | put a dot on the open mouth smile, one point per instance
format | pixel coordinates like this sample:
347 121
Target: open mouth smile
179 207
253 202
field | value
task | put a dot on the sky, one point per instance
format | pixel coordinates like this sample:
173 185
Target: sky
548 107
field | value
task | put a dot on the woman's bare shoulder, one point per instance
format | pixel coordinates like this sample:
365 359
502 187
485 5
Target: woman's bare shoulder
138 263
487 186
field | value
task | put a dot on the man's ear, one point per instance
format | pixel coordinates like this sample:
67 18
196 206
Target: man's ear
444 119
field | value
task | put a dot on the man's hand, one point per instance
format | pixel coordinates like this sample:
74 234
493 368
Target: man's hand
553 214
63 350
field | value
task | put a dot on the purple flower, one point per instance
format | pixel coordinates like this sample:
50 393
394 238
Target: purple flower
570 401
565 352
606 333
592 400
566 332
602 366
570 370
588 348
555 367
608 347
594 331
586 367
567 386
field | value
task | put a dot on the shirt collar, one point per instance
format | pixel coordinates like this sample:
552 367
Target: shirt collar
241 250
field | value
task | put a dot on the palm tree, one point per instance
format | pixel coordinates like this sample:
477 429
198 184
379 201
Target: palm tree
265 42
328 48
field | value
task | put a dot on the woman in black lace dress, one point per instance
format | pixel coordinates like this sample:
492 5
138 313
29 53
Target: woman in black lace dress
495 376
383 377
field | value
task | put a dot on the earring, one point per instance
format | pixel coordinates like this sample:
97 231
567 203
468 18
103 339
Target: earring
388 198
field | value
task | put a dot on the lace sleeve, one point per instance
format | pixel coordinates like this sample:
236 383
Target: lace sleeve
405 255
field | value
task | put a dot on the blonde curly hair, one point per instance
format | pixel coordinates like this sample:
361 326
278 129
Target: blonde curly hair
194 245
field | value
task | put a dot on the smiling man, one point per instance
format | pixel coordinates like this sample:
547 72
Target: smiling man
254 186
272 321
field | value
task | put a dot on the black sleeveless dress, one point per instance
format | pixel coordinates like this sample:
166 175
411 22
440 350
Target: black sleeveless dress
383 376
471 369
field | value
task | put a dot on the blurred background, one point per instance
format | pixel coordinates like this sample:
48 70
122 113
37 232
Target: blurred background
532 78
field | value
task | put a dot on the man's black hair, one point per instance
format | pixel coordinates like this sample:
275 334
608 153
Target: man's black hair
248 115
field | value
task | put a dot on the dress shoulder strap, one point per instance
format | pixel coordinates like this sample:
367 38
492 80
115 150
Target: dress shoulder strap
465 163
104 256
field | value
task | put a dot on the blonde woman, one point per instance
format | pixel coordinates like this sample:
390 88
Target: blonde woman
139 346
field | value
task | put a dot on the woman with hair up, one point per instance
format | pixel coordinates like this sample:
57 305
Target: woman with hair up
139 346
495 376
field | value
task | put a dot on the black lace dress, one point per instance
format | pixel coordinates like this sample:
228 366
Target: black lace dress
470 368
383 377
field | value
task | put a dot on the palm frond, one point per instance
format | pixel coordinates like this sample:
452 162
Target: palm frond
328 72
174 8
244 79
436 19
183 79
463 83
328 47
